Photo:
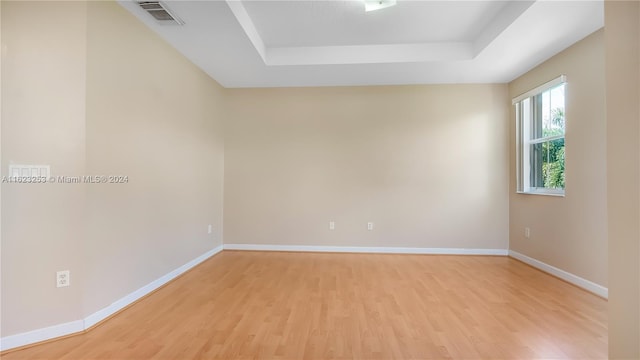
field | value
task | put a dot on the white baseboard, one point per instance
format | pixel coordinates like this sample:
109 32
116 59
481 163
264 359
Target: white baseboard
51 332
564 275
363 249
121 303
38 335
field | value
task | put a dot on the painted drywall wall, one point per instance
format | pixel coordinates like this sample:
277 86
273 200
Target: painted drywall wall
89 90
43 122
569 232
426 164
2 172
622 37
154 117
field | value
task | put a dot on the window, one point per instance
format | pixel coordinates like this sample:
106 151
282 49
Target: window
540 127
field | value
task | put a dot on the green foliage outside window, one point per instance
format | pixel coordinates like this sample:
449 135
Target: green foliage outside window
553 153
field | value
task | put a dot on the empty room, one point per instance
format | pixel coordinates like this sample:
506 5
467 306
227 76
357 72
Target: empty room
321 179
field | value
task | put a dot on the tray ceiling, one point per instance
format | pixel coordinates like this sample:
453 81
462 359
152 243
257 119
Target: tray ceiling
323 43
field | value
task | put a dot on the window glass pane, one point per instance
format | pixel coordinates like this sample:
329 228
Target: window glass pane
557 108
550 113
535 169
547 164
545 110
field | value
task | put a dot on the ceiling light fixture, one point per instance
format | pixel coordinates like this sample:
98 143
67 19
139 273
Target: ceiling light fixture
371 5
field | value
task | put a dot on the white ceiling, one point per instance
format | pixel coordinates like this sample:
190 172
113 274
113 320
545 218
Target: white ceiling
321 43
332 23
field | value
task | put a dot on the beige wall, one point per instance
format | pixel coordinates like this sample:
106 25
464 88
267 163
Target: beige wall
154 116
622 34
88 89
43 111
426 164
569 232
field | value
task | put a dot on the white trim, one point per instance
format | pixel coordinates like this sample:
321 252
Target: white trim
542 191
240 12
38 335
564 275
545 139
363 249
548 85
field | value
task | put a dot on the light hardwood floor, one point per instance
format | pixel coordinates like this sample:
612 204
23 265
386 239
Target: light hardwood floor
270 305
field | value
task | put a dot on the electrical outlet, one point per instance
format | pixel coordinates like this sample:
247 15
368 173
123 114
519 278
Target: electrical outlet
63 278
369 226
209 229
332 225
527 233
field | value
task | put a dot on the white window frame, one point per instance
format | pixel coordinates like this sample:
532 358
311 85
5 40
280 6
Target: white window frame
523 141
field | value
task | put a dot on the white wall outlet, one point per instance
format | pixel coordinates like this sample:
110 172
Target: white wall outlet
527 233
369 226
63 278
332 225
209 229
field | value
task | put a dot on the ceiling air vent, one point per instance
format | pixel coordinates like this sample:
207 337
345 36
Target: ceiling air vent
160 12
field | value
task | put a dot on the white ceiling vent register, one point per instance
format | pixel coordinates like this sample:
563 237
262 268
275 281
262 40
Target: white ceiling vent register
160 12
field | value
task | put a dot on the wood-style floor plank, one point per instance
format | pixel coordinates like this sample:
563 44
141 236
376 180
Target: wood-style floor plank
271 305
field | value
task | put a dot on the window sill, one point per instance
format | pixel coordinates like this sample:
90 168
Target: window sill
545 192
